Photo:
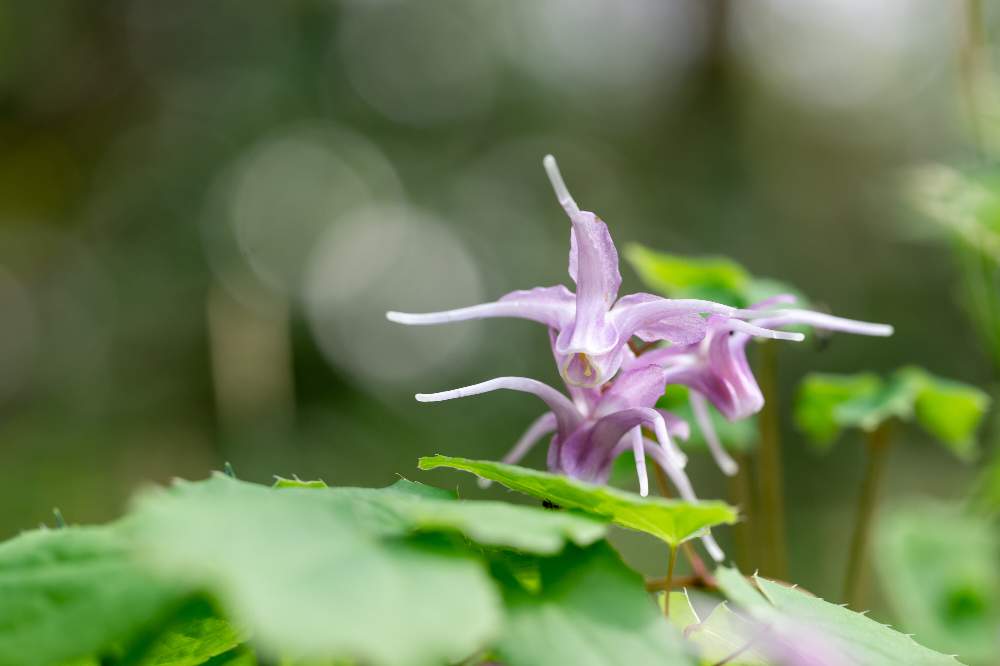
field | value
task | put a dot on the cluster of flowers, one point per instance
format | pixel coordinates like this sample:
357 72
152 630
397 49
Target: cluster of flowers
612 390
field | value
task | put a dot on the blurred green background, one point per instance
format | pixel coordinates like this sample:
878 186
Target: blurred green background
206 209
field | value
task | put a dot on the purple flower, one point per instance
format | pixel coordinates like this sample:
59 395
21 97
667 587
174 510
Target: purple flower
593 325
596 426
716 370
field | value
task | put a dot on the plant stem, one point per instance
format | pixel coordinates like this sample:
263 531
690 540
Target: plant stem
740 494
670 580
878 454
771 501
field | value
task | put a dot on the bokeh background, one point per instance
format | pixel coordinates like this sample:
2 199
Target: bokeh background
206 209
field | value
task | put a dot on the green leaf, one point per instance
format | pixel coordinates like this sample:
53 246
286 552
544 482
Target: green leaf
727 636
938 567
408 508
281 482
792 617
714 278
949 410
894 399
73 593
192 637
309 579
590 610
820 397
669 520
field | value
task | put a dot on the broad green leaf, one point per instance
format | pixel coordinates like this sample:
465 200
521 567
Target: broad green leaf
712 278
715 278
241 656
411 508
950 411
819 398
590 610
308 579
797 621
73 593
192 637
938 567
893 399
669 520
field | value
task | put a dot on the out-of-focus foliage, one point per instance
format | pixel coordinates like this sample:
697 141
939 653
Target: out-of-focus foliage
588 609
75 592
948 410
711 278
938 566
670 520
797 624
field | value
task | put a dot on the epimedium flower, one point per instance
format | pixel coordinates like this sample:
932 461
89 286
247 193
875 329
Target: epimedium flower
715 370
593 326
594 427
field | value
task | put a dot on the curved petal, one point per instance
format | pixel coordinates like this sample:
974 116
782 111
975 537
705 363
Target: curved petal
643 311
823 321
699 405
640 387
732 388
540 427
676 426
593 258
593 265
567 417
682 329
552 306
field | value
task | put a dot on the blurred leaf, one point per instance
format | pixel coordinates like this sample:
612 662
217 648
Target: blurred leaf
893 399
590 610
950 411
669 520
73 593
309 579
713 278
682 613
404 509
819 398
192 637
939 569
796 621
724 634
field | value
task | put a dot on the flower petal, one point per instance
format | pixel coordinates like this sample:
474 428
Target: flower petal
822 321
566 414
699 405
552 306
640 387
641 312
681 329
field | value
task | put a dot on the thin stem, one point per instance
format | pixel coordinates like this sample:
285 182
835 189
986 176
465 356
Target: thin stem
741 495
698 568
771 492
878 453
670 580
973 69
